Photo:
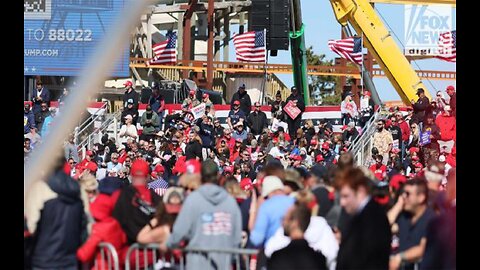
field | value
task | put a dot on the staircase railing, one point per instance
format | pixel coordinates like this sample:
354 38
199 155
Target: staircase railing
89 123
362 145
96 135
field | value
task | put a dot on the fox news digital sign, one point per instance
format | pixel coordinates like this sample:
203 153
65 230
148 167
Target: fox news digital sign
60 35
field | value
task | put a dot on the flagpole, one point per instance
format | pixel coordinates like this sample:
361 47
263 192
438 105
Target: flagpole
361 71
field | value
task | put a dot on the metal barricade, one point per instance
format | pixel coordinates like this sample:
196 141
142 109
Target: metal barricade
108 258
240 258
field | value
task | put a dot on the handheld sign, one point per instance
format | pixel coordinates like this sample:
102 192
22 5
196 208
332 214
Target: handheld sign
291 110
198 111
425 138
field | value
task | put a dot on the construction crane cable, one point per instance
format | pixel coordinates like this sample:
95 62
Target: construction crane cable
401 43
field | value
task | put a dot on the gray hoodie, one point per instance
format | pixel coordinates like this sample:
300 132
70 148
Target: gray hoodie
210 218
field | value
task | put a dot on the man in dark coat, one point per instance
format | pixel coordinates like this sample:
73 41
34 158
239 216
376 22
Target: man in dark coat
41 115
40 95
257 120
55 217
130 93
28 119
130 110
244 98
295 123
365 243
298 254
420 107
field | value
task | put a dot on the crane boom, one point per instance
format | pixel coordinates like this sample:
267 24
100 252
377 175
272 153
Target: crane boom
361 15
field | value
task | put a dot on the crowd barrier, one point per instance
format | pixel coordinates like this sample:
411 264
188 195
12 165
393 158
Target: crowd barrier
148 257
106 259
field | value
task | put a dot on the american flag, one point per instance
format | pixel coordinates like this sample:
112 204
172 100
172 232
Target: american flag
159 186
250 46
447 46
165 52
349 48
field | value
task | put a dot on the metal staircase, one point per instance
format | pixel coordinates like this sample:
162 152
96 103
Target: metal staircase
362 146
92 129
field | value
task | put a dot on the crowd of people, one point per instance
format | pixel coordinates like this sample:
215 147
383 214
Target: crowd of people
283 186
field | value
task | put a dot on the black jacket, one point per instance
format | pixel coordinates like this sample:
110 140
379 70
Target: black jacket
132 95
350 135
133 213
453 104
193 150
419 109
257 122
297 255
40 118
300 103
61 225
245 102
366 241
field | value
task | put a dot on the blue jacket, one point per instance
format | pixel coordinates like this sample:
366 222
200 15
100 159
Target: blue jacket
28 122
56 218
46 126
45 95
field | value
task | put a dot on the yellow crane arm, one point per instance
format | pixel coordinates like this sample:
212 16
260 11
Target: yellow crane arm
381 44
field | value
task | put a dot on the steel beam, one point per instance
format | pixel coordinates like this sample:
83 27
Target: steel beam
210 44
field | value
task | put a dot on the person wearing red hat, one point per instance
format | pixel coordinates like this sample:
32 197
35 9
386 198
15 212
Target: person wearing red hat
453 99
327 153
236 115
244 101
136 203
208 103
159 185
191 101
84 163
130 94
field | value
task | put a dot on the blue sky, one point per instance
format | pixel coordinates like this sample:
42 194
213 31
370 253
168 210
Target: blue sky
321 26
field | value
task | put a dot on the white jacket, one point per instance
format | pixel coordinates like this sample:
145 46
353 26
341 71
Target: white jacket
319 236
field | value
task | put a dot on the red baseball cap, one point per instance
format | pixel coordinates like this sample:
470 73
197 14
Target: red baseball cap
419 165
236 102
367 93
451 87
246 184
92 166
397 180
238 140
179 150
313 142
395 150
192 92
414 150
205 95
128 83
192 166
89 153
415 158
228 169
319 158
159 169
140 168
297 157
325 145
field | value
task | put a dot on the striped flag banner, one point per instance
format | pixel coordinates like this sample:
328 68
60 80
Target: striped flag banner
447 46
250 46
349 48
165 52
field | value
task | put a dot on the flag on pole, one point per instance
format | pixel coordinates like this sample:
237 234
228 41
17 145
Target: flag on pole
165 52
250 46
349 48
447 46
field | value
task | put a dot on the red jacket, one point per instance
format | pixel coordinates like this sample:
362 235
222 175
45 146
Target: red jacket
105 229
179 165
405 130
447 126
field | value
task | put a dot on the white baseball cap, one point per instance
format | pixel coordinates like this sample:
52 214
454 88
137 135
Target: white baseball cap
270 184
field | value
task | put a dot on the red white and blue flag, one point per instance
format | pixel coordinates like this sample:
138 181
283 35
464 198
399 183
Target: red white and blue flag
447 46
349 48
250 46
159 186
165 52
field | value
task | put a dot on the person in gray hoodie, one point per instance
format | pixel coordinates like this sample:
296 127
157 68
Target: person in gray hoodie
210 218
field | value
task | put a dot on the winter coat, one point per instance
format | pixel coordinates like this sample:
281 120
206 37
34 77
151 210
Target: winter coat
105 229
193 150
45 95
56 218
132 95
257 121
28 122
245 102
